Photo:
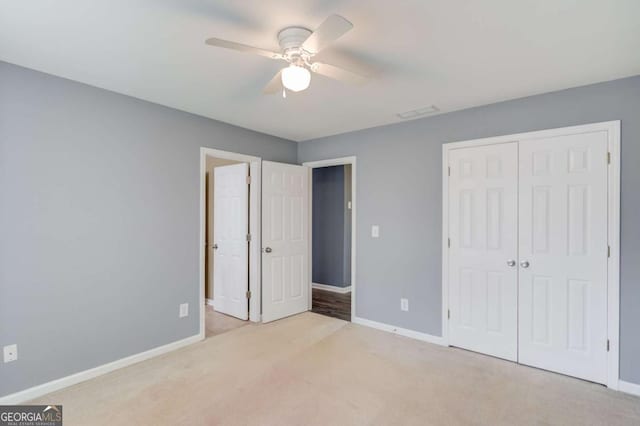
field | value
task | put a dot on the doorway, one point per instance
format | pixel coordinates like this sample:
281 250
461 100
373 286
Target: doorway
530 264
281 265
333 240
230 240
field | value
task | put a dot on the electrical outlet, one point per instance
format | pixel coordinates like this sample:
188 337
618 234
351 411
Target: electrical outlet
184 310
10 353
404 304
375 231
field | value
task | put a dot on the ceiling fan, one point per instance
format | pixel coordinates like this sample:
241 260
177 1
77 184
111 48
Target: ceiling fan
298 47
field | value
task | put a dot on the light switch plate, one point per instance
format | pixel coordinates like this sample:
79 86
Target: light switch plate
184 310
375 231
404 304
10 353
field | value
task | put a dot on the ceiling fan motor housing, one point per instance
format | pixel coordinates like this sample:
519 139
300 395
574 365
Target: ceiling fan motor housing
292 37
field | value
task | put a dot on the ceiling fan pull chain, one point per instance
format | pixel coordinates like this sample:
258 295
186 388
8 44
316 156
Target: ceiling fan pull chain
284 93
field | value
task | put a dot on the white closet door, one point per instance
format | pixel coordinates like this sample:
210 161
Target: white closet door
230 229
563 255
483 287
285 240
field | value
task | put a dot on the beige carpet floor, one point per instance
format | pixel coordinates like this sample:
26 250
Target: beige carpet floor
216 323
315 370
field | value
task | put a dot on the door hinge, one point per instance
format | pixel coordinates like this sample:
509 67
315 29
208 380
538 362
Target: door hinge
249 294
449 242
248 237
608 345
448 314
449 170
608 251
608 158
248 180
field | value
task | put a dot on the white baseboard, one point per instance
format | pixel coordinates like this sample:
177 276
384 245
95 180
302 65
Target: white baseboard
54 385
628 387
401 331
333 288
209 302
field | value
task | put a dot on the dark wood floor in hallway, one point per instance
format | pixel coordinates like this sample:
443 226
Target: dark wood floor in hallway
332 304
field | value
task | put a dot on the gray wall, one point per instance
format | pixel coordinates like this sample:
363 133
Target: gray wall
99 222
400 188
328 226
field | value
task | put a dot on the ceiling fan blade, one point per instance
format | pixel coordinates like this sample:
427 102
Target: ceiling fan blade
330 30
274 86
242 48
338 73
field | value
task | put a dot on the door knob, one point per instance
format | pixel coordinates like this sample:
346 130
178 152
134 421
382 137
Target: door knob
524 264
215 247
267 250
511 262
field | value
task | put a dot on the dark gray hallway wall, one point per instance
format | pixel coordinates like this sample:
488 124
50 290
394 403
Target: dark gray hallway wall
99 222
328 226
347 224
399 181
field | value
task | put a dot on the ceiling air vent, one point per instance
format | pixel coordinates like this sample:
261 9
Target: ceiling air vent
415 113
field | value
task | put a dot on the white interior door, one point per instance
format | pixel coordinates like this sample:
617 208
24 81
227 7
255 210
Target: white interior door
563 240
285 240
483 277
230 229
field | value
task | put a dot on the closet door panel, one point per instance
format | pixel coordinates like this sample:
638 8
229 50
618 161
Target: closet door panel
563 254
483 234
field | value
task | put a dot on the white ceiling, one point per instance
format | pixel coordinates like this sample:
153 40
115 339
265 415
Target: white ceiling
452 53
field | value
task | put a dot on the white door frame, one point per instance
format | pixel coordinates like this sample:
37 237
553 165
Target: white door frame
255 167
327 163
613 268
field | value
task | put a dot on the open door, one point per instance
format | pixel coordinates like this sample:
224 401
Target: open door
285 240
231 227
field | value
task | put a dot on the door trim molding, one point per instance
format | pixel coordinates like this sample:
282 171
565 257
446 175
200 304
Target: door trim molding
255 285
613 189
327 163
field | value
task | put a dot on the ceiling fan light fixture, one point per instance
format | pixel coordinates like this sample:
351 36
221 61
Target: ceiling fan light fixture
296 78
298 47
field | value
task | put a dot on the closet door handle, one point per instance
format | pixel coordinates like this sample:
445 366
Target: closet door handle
511 263
524 264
